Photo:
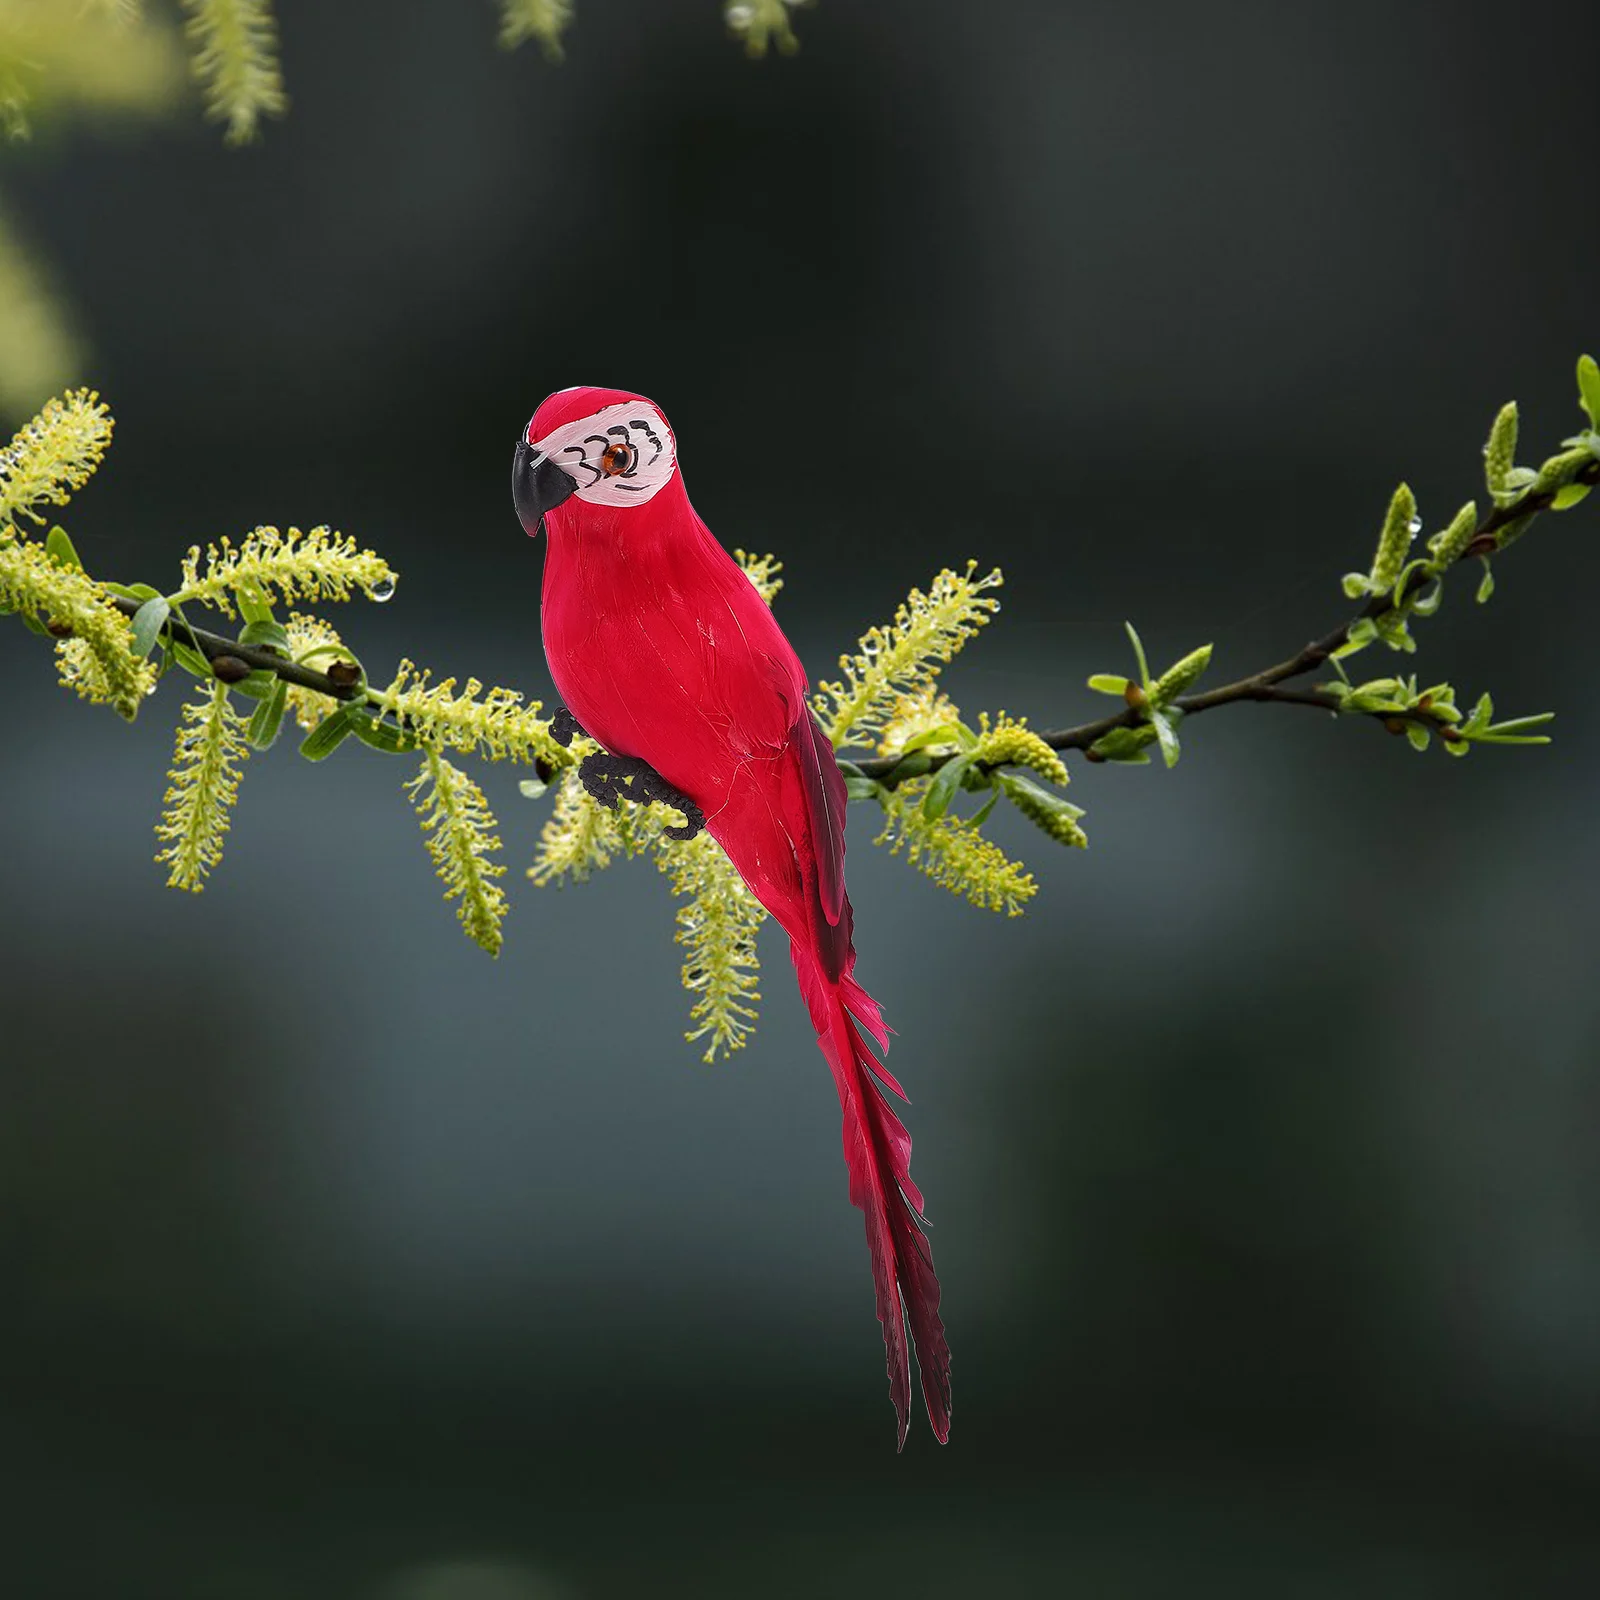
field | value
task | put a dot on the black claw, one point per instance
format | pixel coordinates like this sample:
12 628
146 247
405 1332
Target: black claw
608 778
563 727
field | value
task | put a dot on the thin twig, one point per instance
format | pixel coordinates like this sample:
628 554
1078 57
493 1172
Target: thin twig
1263 685
215 645
1260 686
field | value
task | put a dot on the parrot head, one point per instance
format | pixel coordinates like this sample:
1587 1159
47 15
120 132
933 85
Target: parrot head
605 447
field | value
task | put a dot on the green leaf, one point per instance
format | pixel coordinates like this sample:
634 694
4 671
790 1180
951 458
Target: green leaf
1402 582
981 815
34 625
1514 730
1570 496
1355 585
59 548
1109 683
148 622
1486 586
1589 388
949 733
189 658
1360 634
858 786
1395 632
253 606
1478 718
1418 735
267 718
329 734
914 765
1168 740
943 788
1428 599
1138 653
257 685
1044 808
371 730
1125 744
1515 723
140 592
532 788
265 632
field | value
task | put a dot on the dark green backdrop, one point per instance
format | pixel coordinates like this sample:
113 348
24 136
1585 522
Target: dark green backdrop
339 1261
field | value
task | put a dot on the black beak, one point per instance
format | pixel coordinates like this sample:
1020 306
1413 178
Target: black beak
538 485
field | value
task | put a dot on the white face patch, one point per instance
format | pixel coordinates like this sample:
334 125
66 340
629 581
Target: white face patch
621 456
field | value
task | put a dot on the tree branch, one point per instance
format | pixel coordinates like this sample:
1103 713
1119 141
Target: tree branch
215 646
1263 686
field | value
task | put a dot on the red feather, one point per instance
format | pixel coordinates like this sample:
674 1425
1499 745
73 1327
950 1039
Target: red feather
662 649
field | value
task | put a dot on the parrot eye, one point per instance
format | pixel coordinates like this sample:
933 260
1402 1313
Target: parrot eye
620 455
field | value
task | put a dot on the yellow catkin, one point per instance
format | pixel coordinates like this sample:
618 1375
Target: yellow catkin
1015 744
582 836
315 564
495 723
206 762
459 830
54 455
905 657
235 49
763 572
308 634
542 20
717 929
101 665
916 714
954 854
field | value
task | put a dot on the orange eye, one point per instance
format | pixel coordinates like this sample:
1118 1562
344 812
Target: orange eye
616 459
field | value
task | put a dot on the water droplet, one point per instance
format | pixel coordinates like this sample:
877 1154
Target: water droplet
382 590
994 606
1415 526
150 691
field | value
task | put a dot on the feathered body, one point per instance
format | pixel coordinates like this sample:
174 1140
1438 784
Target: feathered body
663 650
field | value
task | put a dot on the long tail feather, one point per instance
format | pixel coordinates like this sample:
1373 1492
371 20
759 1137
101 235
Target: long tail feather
877 1150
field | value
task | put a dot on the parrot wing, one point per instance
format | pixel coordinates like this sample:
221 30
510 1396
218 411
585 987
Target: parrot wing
825 800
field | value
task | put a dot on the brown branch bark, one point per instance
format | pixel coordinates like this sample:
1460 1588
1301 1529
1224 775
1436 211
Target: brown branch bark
1264 686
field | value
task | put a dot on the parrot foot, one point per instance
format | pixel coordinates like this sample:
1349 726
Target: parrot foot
564 727
610 778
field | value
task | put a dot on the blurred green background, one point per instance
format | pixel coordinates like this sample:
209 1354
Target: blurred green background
340 1261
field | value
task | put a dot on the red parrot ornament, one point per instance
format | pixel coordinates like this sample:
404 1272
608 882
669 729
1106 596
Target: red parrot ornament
668 658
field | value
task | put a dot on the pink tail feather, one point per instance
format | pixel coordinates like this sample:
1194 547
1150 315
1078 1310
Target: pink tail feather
877 1150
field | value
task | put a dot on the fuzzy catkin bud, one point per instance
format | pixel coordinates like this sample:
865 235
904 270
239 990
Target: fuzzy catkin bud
1049 813
1449 545
1559 471
1011 743
1180 675
1500 452
1395 541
